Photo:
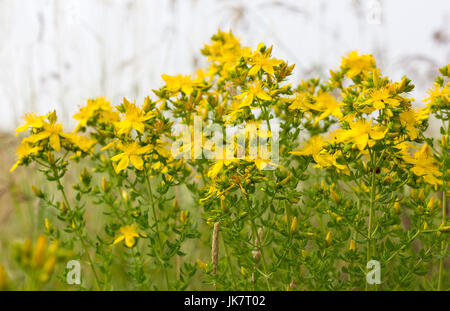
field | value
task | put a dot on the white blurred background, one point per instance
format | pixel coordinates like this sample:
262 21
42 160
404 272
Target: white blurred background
58 53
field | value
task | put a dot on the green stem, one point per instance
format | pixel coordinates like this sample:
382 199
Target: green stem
255 233
77 232
155 219
371 211
444 211
230 266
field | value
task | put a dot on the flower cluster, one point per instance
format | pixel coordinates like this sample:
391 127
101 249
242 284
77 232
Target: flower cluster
353 154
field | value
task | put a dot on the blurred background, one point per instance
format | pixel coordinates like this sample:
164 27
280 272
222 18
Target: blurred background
56 54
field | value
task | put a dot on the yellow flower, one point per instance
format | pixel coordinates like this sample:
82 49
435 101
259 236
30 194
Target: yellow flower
129 233
31 120
362 133
178 83
438 92
327 104
358 64
201 264
218 165
409 120
131 153
255 90
52 131
232 112
313 146
134 118
301 101
24 151
263 62
82 142
162 147
425 165
325 159
93 107
379 98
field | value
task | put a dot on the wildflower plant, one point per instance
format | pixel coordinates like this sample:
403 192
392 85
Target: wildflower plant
348 176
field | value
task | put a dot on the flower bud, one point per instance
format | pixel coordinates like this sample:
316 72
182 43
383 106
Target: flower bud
397 206
421 195
53 248
49 265
51 158
176 206
85 177
105 187
334 195
352 246
285 180
243 271
63 207
3 278
39 251
103 159
305 253
125 195
430 204
48 225
183 216
294 225
37 192
328 238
